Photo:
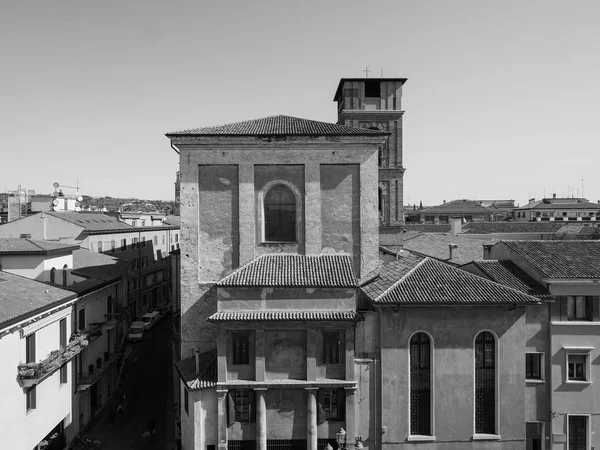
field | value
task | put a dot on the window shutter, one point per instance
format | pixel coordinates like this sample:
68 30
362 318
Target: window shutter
320 410
252 407
230 408
589 308
342 404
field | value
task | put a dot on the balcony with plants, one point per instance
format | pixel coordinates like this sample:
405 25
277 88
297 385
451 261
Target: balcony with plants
32 373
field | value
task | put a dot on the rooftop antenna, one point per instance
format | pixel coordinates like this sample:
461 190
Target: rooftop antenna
366 71
582 182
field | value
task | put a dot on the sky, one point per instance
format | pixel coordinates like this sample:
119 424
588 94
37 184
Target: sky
501 100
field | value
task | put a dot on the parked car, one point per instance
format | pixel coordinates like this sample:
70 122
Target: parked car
136 331
150 319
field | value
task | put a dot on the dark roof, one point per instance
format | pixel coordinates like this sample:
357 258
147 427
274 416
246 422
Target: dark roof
25 245
290 270
98 268
508 274
343 80
207 378
21 297
559 203
431 282
560 259
462 206
272 316
375 283
438 246
427 228
511 227
91 221
279 126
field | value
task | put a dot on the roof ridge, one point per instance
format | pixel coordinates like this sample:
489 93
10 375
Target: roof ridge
403 277
35 244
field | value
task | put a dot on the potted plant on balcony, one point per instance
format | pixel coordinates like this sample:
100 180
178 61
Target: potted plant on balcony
29 370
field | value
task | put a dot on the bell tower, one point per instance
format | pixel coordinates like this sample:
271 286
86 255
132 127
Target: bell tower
376 103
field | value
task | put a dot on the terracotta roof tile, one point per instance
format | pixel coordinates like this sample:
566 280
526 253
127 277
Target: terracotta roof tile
508 274
561 259
458 206
279 126
206 378
92 221
427 228
377 282
431 282
272 316
511 227
290 270
25 245
438 246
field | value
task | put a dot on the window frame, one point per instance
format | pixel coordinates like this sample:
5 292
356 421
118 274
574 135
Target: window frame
243 408
261 211
579 351
53 275
340 412
238 360
587 428
542 366
588 308
30 399
64 376
486 436
30 349
431 436
100 246
65 274
327 350
123 244
62 330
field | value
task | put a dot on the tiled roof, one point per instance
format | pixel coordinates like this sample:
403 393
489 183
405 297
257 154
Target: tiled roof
272 316
561 259
508 274
375 283
427 228
25 245
291 270
578 230
511 227
559 203
98 268
20 296
279 126
206 378
172 220
462 206
431 282
438 246
92 221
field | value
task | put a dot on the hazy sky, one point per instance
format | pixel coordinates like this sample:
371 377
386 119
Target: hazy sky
502 99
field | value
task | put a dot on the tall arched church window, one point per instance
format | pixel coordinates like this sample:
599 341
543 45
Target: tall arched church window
485 383
420 385
280 215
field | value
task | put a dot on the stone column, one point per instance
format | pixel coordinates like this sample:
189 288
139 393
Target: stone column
222 418
247 212
312 208
311 422
311 354
261 418
350 416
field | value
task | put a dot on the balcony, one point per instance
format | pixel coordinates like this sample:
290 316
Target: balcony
94 372
33 373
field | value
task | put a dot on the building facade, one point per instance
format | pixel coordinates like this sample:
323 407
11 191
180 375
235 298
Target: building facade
557 209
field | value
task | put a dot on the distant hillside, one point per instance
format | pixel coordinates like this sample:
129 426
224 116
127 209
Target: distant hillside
129 204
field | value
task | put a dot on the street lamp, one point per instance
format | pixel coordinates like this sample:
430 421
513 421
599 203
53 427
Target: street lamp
340 437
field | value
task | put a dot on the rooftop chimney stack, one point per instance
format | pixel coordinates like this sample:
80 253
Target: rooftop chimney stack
451 248
455 225
487 250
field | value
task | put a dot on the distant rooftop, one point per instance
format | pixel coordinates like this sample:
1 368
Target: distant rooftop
278 126
462 206
343 80
98 269
32 246
91 221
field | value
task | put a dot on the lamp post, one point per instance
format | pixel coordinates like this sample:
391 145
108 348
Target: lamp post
340 437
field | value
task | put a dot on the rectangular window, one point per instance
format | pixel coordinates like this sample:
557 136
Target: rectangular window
123 244
372 89
533 366
155 240
331 347
109 305
134 242
333 404
241 347
143 241
144 261
133 223
30 395
578 433
134 264
100 247
30 348
579 307
113 246
163 238
577 367
176 238
186 401
143 222
534 433
242 405
63 373
81 319
63 332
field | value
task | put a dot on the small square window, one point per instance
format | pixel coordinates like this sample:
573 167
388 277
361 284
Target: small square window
372 89
577 367
534 366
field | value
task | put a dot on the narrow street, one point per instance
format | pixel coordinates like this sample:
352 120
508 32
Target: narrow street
148 394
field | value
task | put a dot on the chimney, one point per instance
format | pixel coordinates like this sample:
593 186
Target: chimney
197 361
456 225
487 251
553 195
451 247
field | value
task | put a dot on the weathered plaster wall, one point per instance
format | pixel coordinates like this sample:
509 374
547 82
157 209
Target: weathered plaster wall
241 371
537 395
285 352
55 229
453 334
340 203
286 414
188 428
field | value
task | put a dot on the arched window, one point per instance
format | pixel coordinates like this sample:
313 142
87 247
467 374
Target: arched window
64 274
485 383
52 275
280 215
420 385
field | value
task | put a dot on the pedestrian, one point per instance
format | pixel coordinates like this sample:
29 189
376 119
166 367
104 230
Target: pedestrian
151 426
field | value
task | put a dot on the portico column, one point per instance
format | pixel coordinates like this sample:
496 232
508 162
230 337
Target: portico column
222 418
261 418
311 424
